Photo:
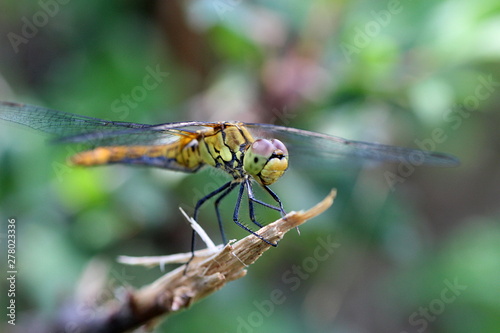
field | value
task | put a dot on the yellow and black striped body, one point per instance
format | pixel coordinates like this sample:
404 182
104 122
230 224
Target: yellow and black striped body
222 145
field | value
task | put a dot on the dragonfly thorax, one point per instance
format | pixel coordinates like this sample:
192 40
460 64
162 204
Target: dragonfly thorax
223 148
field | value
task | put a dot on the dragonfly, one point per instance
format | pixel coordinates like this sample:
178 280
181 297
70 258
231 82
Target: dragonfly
248 152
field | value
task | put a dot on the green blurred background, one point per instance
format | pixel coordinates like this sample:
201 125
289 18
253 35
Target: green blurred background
421 255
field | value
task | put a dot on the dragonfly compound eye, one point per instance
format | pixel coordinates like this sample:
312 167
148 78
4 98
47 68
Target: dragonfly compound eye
266 160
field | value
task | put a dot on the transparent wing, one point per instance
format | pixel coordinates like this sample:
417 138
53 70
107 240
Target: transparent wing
302 145
310 147
93 132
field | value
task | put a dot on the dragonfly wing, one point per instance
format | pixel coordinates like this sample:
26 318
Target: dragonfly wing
57 123
110 142
92 132
149 135
304 145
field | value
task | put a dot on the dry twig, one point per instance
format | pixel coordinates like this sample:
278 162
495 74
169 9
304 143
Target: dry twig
176 291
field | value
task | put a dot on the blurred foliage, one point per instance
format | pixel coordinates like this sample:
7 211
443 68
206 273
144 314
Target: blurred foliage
386 71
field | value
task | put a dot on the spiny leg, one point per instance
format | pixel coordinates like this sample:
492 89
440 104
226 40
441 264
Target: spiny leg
273 195
251 209
276 198
219 219
195 216
207 197
237 213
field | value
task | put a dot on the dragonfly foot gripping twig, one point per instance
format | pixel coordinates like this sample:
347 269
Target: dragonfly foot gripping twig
208 273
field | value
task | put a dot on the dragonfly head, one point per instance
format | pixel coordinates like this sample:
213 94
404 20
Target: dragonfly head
266 160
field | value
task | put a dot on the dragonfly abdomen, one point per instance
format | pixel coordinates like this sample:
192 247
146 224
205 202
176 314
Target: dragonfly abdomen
176 156
106 155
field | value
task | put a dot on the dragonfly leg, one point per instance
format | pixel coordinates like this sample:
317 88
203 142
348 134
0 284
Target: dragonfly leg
217 212
207 197
195 217
276 198
251 209
273 195
237 213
